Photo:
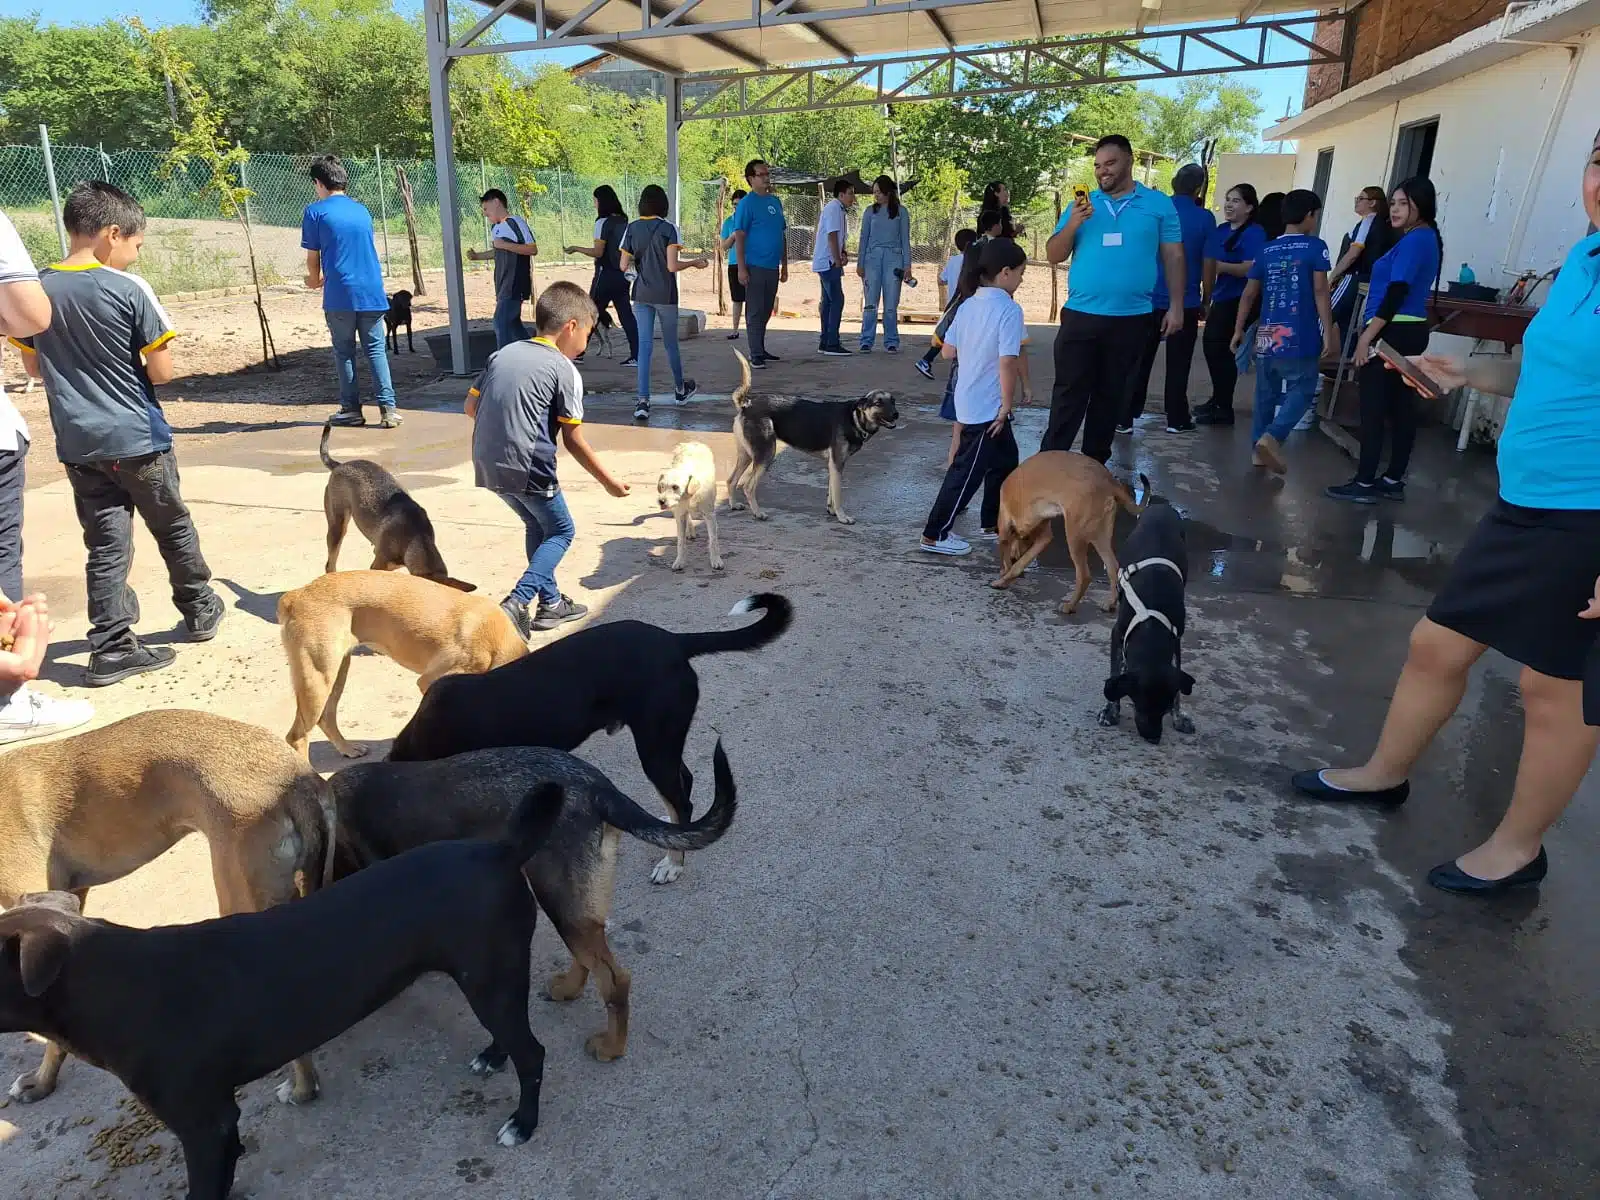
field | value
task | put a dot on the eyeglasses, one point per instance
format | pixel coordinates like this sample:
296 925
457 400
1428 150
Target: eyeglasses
760 174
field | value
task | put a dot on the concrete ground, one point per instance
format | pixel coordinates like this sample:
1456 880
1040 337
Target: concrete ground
961 941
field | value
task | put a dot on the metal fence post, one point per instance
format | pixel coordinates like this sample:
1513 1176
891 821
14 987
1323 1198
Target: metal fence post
383 210
483 186
55 192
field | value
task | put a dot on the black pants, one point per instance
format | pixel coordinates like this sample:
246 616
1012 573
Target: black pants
1219 353
611 287
1180 356
1094 357
1388 404
980 459
761 298
12 481
105 495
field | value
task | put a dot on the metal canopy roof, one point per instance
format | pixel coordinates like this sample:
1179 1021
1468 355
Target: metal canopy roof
694 36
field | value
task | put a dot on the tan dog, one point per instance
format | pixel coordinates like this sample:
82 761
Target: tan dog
426 627
94 807
688 486
1065 484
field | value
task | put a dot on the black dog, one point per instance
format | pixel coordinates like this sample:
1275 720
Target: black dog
1147 639
185 1014
834 429
399 314
604 677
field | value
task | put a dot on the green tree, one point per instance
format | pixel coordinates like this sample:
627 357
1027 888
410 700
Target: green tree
1200 110
86 82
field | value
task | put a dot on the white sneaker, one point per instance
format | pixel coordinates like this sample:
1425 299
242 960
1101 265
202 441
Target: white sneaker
949 544
26 714
1307 421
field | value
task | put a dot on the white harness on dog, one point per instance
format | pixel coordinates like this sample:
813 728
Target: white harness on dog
1140 611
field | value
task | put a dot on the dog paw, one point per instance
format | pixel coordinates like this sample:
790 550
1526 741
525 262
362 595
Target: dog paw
27 1089
287 1094
716 564
1001 584
514 1132
602 1047
1068 608
1182 724
1110 715
353 750
677 564
666 871
760 516
563 988
735 505
487 1062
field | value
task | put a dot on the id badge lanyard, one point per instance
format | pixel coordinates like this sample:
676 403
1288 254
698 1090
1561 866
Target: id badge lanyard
1116 210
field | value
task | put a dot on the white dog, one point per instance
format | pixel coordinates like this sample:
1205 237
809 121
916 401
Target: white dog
28 380
688 486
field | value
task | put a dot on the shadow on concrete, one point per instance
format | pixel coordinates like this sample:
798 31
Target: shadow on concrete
326 760
263 605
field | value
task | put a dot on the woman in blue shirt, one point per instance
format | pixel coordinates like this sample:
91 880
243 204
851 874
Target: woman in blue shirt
883 260
1527 584
1397 312
1231 250
735 288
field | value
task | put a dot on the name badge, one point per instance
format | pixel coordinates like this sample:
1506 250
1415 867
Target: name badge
1111 239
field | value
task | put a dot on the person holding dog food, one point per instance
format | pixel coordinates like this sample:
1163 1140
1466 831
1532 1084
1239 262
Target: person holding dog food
528 391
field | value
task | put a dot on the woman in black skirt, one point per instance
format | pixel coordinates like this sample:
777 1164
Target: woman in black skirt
1527 584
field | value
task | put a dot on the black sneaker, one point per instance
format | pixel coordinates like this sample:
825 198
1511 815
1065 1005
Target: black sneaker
891 349
1355 491
924 368
113 666
641 411
758 364
581 357
837 352
863 349
1124 427
689 388
769 356
1391 489
347 416
517 613
551 615
1186 427
1214 416
201 625
630 361
734 336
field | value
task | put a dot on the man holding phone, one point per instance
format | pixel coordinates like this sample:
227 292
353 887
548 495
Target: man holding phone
1115 237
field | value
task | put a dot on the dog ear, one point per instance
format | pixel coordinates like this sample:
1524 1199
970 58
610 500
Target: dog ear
1118 686
458 584
1185 683
42 952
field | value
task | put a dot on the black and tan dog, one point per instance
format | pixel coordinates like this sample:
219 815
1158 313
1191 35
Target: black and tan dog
399 314
185 1014
831 429
384 512
388 808
603 677
1147 638
94 807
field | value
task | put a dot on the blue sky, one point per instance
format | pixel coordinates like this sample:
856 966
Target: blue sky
1278 88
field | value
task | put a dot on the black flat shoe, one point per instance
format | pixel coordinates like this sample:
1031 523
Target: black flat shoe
1448 877
1311 783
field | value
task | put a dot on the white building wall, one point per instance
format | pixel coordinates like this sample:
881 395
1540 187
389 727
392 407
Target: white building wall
1491 125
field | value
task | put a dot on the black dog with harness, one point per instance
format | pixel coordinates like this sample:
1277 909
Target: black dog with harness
1147 639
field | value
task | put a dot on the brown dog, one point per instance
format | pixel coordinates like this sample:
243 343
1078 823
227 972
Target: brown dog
94 807
1062 483
384 512
425 627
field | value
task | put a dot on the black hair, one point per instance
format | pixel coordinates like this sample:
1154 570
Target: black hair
1300 204
843 185
562 302
1424 198
1189 180
965 238
999 254
606 203
989 218
739 194
1270 214
1247 193
495 194
330 173
1117 140
891 192
750 167
653 201
991 195
92 206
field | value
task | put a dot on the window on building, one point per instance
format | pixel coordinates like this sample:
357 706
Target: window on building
1413 153
1321 180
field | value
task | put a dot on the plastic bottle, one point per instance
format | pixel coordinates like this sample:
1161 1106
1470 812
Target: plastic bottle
1467 275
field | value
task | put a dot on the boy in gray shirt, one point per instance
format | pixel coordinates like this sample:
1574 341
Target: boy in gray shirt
100 359
529 391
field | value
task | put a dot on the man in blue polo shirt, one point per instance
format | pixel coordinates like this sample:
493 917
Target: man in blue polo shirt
1196 222
336 234
1115 238
760 242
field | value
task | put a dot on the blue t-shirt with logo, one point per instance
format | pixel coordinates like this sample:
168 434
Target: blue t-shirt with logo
340 230
1243 249
1196 224
1550 448
761 218
727 231
1116 254
1286 269
1414 260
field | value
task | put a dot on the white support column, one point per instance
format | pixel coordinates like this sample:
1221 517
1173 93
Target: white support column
436 19
674 122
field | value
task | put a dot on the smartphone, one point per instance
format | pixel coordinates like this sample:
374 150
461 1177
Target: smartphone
1080 194
1402 364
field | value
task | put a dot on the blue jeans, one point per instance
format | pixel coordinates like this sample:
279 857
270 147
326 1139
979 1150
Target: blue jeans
831 307
508 326
1285 389
549 535
881 285
648 315
360 333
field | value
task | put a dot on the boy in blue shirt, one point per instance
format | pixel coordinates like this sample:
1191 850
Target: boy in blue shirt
1290 275
760 241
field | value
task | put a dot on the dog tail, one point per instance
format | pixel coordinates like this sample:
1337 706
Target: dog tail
327 459
776 613
1125 495
535 816
621 811
741 394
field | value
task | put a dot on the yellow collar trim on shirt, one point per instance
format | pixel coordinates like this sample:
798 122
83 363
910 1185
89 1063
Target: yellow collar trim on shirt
544 341
88 266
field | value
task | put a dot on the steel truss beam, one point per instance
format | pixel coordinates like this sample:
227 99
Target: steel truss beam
999 70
